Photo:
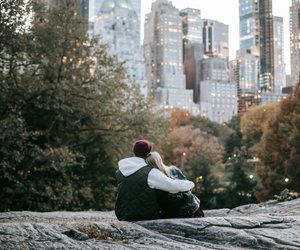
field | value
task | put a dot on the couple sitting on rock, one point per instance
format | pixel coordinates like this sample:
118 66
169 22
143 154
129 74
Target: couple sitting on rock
149 190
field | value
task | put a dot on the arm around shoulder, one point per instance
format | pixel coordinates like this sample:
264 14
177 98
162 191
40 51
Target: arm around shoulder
158 180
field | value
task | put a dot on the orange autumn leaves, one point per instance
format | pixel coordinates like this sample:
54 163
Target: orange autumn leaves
185 143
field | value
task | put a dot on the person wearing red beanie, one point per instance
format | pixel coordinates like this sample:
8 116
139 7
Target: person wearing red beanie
137 185
142 148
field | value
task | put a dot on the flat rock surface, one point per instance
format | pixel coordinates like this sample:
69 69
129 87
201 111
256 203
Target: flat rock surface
272 225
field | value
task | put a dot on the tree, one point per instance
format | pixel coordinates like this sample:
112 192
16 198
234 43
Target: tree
280 149
234 141
241 187
254 121
220 131
179 117
206 183
67 113
184 144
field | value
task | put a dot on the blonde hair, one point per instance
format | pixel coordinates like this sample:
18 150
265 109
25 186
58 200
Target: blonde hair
154 160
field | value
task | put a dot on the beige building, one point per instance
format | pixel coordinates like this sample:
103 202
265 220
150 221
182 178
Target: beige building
163 45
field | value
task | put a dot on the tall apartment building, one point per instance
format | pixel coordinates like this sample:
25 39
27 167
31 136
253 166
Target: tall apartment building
247 61
266 31
218 95
136 4
163 45
249 25
118 24
218 100
245 72
248 71
295 41
260 59
94 7
279 62
214 68
192 48
215 38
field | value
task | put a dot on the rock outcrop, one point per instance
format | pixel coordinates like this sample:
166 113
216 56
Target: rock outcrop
269 225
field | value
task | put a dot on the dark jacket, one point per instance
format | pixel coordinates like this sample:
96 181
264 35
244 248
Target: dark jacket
136 200
179 205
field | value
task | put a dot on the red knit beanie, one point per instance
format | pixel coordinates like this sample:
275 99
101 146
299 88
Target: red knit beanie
142 148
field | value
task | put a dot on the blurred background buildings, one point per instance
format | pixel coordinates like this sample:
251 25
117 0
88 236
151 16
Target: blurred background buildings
183 61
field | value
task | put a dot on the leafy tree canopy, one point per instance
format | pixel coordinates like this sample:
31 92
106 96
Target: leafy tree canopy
254 121
67 113
184 144
280 149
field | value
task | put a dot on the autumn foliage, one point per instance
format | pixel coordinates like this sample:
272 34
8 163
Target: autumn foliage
184 144
254 121
280 149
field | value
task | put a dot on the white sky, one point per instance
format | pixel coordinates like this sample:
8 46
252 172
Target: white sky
227 11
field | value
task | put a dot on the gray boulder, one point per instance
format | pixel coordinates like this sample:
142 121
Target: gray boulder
270 225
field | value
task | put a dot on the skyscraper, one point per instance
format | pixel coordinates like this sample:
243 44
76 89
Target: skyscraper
163 44
279 62
215 38
260 59
246 75
249 25
95 10
118 25
218 95
94 7
294 42
266 31
191 25
136 4
247 62
192 48
218 100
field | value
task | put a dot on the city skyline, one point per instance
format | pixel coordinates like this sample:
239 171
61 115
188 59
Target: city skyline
208 11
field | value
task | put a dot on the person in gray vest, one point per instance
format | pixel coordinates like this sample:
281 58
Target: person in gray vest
137 184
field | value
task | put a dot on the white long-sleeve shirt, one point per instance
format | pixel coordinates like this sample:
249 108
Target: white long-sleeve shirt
156 179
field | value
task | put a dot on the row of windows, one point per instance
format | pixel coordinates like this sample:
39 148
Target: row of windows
220 106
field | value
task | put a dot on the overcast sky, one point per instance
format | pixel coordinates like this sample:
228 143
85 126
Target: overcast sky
227 11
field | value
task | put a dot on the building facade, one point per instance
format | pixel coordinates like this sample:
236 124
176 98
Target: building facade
94 8
279 62
215 38
163 48
118 25
214 68
218 100
192 48
260 60
266 31
272 97
136 4
295 41
246 77
249 25
218 95
247 62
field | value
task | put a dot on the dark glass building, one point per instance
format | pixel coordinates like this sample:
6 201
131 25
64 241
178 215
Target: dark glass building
266 80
